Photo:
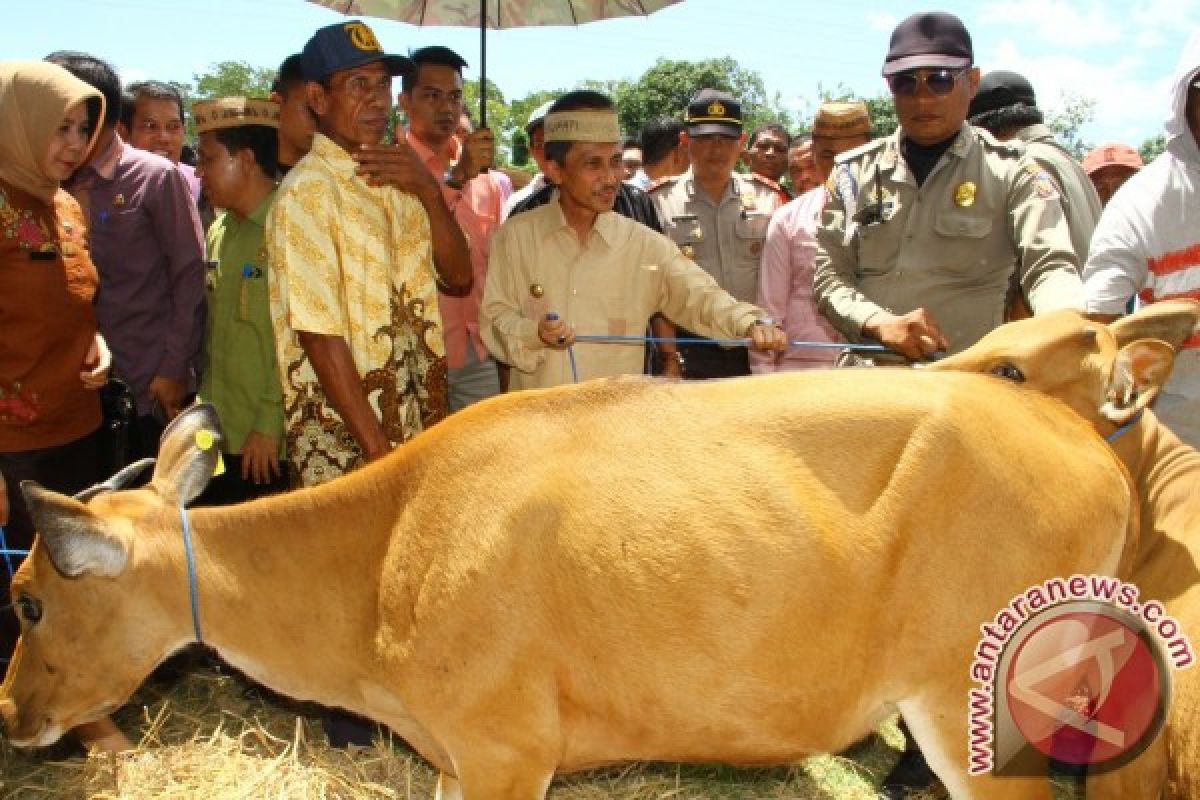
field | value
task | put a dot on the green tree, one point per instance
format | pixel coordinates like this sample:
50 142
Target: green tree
1077 110
1153 147
497 109
230 78
665 88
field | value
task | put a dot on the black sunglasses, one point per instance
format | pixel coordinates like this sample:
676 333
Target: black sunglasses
939 81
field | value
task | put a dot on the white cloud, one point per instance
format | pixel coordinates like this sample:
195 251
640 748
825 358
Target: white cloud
1062 22
1130 105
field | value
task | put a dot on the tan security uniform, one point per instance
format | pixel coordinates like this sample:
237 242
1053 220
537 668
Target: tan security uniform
949 246
726 237
1078 196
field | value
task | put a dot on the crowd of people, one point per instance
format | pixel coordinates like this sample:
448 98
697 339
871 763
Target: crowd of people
334 289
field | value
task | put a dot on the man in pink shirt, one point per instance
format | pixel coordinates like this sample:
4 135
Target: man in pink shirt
432 97
786 278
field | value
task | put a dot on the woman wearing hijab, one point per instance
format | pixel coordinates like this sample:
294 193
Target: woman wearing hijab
52 359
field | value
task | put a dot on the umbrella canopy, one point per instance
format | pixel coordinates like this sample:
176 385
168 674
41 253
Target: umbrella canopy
500 13
484 14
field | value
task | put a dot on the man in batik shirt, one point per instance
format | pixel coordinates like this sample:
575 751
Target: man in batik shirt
359 241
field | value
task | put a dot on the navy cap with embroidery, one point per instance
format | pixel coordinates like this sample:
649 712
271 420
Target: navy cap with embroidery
930 39
345 45
714 111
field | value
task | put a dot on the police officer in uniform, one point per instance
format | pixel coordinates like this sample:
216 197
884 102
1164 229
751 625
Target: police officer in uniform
923 229
1006 107
717 217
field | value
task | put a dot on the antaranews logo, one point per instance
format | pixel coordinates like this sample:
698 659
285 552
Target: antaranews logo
1075 670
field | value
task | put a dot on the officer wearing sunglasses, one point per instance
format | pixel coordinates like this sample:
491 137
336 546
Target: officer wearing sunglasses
924 229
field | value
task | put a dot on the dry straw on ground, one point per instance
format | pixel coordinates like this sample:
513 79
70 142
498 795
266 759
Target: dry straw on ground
208 735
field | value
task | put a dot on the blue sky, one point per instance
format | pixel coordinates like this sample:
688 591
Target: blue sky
1121 54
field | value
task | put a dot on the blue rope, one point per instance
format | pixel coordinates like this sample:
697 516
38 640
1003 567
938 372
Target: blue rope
1112 437
191 567
9 552
798 343
614 339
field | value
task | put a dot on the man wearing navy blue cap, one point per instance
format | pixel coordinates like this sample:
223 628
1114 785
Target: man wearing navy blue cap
359 241
925 229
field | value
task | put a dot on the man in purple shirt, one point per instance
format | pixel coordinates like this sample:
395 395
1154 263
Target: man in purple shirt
148 247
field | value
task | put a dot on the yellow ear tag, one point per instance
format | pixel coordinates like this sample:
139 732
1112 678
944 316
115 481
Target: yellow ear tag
205 440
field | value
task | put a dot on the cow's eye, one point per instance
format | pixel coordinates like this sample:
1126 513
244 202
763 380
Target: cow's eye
1009 373
30 608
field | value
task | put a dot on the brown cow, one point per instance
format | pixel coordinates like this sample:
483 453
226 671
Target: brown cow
1109 374
743 571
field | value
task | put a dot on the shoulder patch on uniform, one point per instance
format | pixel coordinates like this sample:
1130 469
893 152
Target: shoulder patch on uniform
1043 184
764 180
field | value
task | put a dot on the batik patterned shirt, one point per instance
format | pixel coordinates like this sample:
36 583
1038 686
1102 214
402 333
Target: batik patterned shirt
353 261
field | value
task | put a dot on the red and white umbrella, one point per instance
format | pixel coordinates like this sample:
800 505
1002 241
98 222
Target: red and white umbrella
496 14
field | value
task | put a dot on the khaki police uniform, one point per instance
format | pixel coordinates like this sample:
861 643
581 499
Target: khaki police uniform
949 246
1078 196
724 237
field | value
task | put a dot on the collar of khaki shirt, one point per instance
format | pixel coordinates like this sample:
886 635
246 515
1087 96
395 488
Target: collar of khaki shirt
732 190
890 157
552 221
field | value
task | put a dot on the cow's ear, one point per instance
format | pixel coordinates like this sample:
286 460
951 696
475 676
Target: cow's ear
1172 321
187 455
1139 372
76 538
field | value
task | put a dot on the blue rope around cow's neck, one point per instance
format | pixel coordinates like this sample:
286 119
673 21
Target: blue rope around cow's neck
191 568
9 552
1119 432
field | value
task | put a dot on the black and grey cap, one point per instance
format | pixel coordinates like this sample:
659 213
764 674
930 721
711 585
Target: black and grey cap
929 39
1001 89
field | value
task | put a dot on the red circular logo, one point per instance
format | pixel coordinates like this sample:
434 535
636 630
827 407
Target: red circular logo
1086 687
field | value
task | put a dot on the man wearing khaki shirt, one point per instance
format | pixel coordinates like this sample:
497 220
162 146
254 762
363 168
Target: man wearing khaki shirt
574 265
923 229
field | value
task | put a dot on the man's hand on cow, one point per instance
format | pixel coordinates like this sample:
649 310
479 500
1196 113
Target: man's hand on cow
914 335
554 332
399 166
478 153
260 458
765 334
96 364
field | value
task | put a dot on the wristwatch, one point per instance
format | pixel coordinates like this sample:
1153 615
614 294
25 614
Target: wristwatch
450 180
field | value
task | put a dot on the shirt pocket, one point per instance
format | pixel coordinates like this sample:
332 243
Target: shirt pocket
878 247
615 313
961 242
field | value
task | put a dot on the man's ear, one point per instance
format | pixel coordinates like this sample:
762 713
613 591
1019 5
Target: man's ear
555 172
404 100
1139 372
317 98
973 76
